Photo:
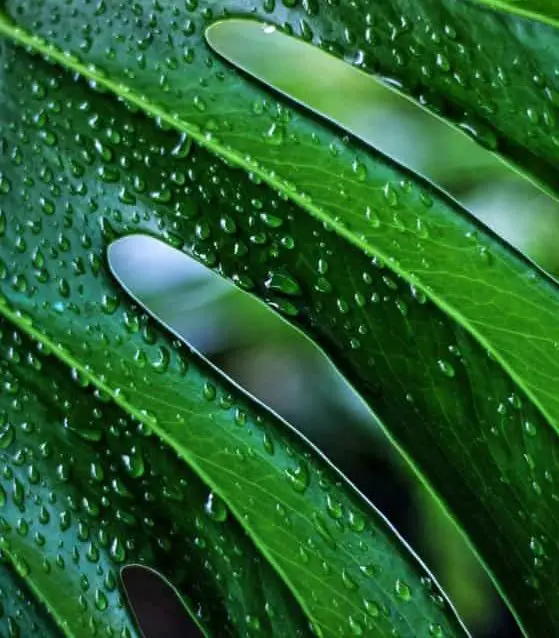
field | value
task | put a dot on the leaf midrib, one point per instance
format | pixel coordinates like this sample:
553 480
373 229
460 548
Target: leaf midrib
69 62
189 458
516 10
51 609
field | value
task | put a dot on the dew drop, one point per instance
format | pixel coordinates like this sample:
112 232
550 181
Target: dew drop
446 368
215 508
283 283
298 477
403 591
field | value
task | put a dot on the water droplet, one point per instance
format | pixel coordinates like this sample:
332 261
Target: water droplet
298 477
403 591
354 626
348 580
282 282
446 368
371 607
530 428
215 508
7 435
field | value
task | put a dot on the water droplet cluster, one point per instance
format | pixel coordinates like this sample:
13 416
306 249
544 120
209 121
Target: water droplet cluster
79 171
101 461
84 490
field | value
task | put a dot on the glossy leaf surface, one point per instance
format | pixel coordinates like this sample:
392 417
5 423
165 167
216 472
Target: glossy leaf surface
22 614
176 79
86 489
423 291
341 560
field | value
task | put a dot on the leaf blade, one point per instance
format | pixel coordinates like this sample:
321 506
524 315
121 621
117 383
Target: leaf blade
480 293
142 370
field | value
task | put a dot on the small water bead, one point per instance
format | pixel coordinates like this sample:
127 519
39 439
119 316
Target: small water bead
356 521
402 306
530 428
371 607
446 368
390 194
284 306
101 601
161 363
272 221
253 622
348 580
354 343
7 435
92 554
22 527
96 472
359 170
372 217
215 508
134 462
298 477
303 555
442 62
283 283
209 391
275 135
118 550
322 285
370 571
402 590
515 401
334 508
268 444
389 282
354 626
529 461
481 133
33 474
226 401
18 492
536 547
240 417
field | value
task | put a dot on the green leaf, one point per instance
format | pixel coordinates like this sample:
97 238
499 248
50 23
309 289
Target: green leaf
453 57
447 333
72 162
545 10
21 613
86 489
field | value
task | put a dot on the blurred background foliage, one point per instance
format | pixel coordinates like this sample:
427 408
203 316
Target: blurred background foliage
279 366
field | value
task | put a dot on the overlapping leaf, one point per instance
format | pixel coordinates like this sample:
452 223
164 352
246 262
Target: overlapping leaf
85 489
423 292
69 189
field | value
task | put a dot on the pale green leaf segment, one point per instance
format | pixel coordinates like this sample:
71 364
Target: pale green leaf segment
423 293
87 484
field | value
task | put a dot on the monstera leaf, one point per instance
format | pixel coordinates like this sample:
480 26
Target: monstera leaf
119 445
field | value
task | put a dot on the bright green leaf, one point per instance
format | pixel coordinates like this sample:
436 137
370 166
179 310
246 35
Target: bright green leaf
87 489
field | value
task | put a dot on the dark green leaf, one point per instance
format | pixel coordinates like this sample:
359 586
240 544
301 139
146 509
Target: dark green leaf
72 163
545 10
20 613
449 335
86 489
